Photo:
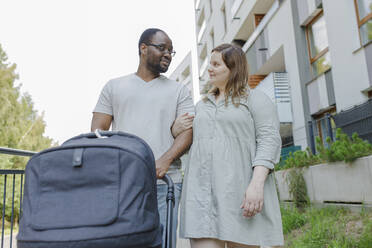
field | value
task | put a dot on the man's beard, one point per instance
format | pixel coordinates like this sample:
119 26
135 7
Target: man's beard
157 68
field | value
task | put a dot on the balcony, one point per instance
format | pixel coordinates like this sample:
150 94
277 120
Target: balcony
257 47
276 86
258 53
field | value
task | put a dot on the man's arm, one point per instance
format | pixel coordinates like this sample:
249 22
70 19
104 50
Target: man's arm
100 121
180 145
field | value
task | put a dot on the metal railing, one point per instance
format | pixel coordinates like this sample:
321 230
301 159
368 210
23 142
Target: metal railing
357 119
12 173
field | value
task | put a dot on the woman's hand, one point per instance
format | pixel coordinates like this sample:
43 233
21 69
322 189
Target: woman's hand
253 199
181 124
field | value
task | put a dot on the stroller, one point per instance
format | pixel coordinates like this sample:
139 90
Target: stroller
96 190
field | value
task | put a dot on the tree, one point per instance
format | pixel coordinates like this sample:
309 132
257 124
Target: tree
21 126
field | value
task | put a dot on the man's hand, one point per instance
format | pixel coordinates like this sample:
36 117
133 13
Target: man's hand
162 167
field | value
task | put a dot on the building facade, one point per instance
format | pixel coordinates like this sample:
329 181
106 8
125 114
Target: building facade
312 57
183 73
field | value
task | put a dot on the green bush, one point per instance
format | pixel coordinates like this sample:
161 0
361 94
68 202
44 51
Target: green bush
343 148
300 159
297 187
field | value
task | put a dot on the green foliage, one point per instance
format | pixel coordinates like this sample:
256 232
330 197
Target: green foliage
366 237
300 159
292 219
326 227
297 187
343 148
21 127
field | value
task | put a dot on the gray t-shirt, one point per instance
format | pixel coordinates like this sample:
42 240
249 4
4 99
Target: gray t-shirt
148 110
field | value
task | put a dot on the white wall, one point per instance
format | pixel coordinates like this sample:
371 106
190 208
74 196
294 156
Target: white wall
281 24
349 68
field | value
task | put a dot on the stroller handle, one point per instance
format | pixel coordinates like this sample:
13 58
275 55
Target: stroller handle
170 205
167 179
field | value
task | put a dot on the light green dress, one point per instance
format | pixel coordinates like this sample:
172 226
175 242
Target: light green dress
228 142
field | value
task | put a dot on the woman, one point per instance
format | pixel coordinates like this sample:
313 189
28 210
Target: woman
229 196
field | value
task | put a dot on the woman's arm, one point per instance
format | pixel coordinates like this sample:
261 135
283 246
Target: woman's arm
268 145
182 123
254 196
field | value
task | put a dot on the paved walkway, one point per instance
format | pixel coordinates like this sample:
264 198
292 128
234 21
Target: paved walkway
7 241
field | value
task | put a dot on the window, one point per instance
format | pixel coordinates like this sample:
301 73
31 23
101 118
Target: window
364 16
317 39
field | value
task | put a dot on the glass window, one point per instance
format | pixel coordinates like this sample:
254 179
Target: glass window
364 15
322 64
317 39
318 36
364 8
366 32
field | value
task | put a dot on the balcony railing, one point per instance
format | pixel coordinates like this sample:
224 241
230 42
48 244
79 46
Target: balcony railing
262 25
15 185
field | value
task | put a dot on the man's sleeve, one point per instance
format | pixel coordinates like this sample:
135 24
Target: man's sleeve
185 103
104 104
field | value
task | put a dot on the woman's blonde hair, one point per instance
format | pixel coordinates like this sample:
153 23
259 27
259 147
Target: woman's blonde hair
237 84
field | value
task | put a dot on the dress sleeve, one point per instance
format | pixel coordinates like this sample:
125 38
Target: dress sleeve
104 104
185 103
266 121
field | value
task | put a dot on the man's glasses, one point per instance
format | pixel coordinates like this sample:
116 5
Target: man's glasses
163 49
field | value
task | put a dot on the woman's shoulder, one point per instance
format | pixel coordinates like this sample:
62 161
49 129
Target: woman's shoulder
258 97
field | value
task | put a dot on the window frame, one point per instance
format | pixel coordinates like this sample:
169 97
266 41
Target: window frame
362 21
321 53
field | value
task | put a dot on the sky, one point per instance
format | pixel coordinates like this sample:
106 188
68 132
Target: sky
66 50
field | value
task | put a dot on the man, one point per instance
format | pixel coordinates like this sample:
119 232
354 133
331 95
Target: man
146 104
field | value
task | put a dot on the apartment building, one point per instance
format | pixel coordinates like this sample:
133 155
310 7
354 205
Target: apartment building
312 57
183 73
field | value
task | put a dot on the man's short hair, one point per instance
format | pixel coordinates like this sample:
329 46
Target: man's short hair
146 37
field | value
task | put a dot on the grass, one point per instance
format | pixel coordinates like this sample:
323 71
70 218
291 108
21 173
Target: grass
311 227
326 227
